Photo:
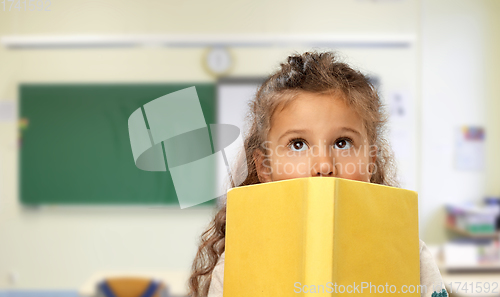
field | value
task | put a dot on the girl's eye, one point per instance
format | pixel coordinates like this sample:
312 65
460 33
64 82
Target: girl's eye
343 144
297 145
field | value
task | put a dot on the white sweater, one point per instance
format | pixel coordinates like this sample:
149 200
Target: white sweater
429 274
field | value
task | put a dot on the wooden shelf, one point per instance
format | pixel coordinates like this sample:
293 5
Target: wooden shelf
481 267
484 267
468 234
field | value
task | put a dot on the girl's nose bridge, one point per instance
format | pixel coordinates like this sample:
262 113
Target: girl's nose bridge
323 159
322 149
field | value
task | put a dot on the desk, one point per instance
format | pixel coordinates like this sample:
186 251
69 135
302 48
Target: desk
454 278
176 281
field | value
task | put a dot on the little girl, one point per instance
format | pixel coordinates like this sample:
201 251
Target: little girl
314 117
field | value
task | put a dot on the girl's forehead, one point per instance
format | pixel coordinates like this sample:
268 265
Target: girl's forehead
315 107
320 114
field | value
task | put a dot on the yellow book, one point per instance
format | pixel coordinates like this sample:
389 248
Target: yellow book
320 235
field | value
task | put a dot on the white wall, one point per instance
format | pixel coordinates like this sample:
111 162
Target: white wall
458 67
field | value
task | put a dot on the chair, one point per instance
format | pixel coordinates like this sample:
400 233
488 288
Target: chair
131 287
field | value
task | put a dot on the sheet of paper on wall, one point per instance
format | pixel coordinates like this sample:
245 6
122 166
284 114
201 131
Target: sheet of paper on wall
469 148
400 124
400 110
401 127
7 111
403 151
401 142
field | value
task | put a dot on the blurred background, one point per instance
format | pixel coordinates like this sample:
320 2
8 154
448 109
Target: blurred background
435 63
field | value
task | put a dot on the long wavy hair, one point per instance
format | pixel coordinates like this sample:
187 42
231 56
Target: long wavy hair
315 72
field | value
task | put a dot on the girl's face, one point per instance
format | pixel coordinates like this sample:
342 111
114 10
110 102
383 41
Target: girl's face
316 135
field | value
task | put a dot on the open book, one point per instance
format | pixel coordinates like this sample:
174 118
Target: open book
323 235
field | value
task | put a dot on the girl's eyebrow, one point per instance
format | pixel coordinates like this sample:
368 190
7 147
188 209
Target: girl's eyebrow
293 131
351 130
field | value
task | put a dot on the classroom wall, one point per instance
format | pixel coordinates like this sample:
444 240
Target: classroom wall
459 70
492 92
73 242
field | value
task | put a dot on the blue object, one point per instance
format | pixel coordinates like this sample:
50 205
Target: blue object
149 292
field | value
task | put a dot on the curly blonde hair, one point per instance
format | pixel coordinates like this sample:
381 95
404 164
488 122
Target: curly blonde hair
315 72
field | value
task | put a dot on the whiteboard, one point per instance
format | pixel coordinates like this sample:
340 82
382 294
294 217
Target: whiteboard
233 97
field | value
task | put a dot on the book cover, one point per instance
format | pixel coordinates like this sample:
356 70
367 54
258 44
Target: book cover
323 235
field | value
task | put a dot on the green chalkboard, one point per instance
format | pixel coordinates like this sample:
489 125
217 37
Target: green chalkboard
75 147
